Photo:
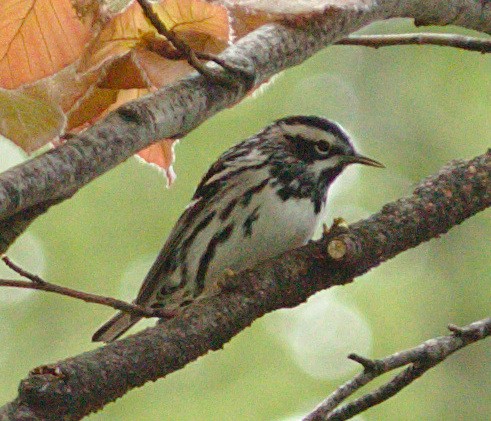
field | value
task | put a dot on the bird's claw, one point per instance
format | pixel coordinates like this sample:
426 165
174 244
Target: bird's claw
227 281
337 223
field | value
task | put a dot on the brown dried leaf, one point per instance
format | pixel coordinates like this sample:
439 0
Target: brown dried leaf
66 93
28 121
65 88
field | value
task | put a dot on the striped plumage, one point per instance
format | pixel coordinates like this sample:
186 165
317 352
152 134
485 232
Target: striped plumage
264 196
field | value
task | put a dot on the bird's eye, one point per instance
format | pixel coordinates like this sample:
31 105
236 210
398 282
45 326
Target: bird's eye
322 148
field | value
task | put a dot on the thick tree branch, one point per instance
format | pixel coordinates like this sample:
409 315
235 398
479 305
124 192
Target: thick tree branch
29 189
480 45
77 386
420 359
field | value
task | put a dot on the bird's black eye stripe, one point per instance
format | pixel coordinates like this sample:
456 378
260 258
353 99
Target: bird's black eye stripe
309 150
302 148
336 150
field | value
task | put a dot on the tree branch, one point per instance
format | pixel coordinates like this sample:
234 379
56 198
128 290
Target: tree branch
445 40
420 359
37 283
29 189
74 387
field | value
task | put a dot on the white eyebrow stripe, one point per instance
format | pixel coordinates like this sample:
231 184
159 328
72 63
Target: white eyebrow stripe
311 133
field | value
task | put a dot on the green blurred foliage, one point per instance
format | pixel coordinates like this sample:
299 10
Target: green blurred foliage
413 108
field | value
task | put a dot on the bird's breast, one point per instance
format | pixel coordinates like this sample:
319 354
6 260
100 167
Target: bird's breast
265 228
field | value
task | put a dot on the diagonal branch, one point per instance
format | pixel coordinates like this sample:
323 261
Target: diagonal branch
29 189
84 296
481 45
73 388
420 359
37 283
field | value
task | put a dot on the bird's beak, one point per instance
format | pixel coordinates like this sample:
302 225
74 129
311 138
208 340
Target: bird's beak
364 160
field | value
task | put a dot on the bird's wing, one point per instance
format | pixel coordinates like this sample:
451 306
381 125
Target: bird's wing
209 191
166 261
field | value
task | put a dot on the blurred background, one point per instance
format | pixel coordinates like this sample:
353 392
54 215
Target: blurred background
414 109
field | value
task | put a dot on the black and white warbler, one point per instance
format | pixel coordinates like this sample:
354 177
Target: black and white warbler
262 197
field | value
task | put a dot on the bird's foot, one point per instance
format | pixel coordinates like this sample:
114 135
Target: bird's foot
228 282
337 224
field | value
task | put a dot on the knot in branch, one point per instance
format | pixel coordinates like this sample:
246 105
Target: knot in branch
343 247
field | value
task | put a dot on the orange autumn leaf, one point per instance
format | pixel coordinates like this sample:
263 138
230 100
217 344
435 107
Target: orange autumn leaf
37 39
125 95
70 82
117 38
124 73
161 154
91 107
184 16
128 48
204 26
143 68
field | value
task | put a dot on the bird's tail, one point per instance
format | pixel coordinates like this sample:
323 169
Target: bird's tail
115 327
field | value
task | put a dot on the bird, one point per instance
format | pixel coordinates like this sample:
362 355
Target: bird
262 197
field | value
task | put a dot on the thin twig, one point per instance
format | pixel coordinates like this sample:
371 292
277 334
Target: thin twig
445 40
420 359
35 282
193 57
17 269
